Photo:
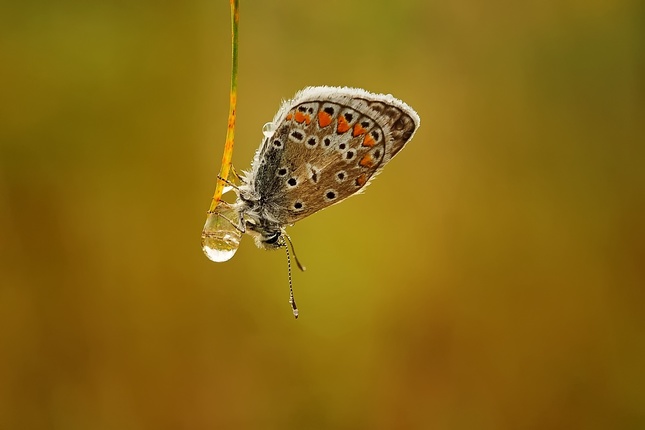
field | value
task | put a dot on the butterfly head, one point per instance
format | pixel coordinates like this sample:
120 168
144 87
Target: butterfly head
266 237
257 221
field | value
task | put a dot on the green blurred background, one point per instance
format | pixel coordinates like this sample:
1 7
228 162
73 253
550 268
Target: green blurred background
492 277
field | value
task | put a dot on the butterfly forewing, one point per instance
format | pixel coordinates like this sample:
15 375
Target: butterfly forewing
328 144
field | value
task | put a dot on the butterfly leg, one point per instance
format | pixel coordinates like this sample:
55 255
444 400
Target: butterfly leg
229 183
240 226
237 175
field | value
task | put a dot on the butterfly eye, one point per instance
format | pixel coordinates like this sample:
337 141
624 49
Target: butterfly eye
273 238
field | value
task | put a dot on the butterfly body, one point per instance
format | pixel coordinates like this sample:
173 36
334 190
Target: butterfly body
323 146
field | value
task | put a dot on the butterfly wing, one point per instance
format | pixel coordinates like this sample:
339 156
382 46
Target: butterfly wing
328 144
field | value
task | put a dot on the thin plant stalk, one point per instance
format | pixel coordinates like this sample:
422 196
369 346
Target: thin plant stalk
227 157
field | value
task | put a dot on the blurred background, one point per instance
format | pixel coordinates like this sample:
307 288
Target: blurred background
492 277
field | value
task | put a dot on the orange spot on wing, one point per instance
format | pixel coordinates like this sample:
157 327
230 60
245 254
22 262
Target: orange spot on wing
343 126
289 117
358 130
368 141
301 117
361 180
366 161
324 119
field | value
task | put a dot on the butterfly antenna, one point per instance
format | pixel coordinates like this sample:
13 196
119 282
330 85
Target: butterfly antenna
292 300
300 266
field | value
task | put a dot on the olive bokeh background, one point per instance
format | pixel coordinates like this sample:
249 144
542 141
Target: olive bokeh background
492 277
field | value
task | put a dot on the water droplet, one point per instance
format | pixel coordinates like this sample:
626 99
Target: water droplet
268 129
220 238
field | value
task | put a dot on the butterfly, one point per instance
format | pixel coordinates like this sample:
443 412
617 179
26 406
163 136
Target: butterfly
323 146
